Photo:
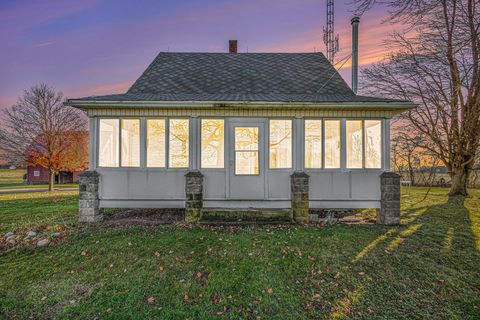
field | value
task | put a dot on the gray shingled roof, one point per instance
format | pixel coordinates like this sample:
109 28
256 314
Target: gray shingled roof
276 77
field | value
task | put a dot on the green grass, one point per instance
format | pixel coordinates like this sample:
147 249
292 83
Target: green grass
29 210
427 268
13 179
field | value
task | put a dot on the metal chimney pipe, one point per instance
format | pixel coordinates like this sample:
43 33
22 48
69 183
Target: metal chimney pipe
355 22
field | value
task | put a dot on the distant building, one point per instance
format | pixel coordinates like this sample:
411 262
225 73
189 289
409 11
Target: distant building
40 175
72 162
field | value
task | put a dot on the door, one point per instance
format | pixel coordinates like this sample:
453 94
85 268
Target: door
247 160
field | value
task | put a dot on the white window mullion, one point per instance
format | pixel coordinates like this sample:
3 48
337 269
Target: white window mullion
194 149
143 142
386 144
323 144
364 148
167 142
298 144
343 144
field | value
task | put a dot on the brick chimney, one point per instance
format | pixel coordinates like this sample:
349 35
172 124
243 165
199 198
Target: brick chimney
233 46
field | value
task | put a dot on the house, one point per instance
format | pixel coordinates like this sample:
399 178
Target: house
40 175
220 131
69 158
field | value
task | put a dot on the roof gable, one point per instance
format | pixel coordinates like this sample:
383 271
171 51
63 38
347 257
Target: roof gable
238 78
240 74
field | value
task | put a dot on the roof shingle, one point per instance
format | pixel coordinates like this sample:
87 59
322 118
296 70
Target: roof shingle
269 77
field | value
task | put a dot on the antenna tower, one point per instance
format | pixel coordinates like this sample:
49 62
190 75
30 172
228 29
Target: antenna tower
331 41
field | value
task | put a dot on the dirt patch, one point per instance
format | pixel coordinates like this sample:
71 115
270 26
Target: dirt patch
143 217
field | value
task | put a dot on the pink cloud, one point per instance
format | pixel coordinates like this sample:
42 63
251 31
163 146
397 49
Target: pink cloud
371 42
44 44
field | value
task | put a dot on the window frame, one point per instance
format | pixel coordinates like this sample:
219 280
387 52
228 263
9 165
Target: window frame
139 143
383 147
225 146
167 143
362 121
322 167
267 145
257 151
343 145
97 142
143 143
324 153
166 119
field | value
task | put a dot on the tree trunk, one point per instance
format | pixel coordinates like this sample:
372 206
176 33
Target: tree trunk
51 181
459 181
412 176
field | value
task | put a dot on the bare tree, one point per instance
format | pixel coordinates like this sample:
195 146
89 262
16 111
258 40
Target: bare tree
406 154
40 130
436 64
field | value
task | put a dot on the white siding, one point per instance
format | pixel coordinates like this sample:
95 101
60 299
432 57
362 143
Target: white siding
160 187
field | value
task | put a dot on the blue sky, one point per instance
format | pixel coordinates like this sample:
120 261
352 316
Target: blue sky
93 47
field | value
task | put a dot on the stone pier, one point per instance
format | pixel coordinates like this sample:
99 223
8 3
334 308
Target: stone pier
193 195
299 196
389 212
88 203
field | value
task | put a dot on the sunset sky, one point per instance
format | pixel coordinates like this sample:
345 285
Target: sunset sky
93 47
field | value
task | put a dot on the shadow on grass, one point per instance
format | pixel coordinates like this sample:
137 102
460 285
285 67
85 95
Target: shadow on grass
426 268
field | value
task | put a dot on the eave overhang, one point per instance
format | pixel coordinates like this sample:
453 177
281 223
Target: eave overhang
89 104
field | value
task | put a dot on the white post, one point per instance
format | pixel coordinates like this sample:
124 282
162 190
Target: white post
386 145
298 144
343 144
92 121
195 143
143 142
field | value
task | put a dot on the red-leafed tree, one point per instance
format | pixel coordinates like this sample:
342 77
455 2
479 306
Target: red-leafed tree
40 130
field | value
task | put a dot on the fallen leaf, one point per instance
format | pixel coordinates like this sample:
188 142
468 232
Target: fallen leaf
214 299
157 254
161 269
84 252
151 300
270 290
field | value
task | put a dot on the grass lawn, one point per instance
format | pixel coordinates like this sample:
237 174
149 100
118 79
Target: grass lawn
427 268
13 179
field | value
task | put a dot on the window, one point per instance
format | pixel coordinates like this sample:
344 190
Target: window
313 143
212 145
178 143
246 151
109 143
280 144
373 144
156 143
130 142
36 173
332 144
354 144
